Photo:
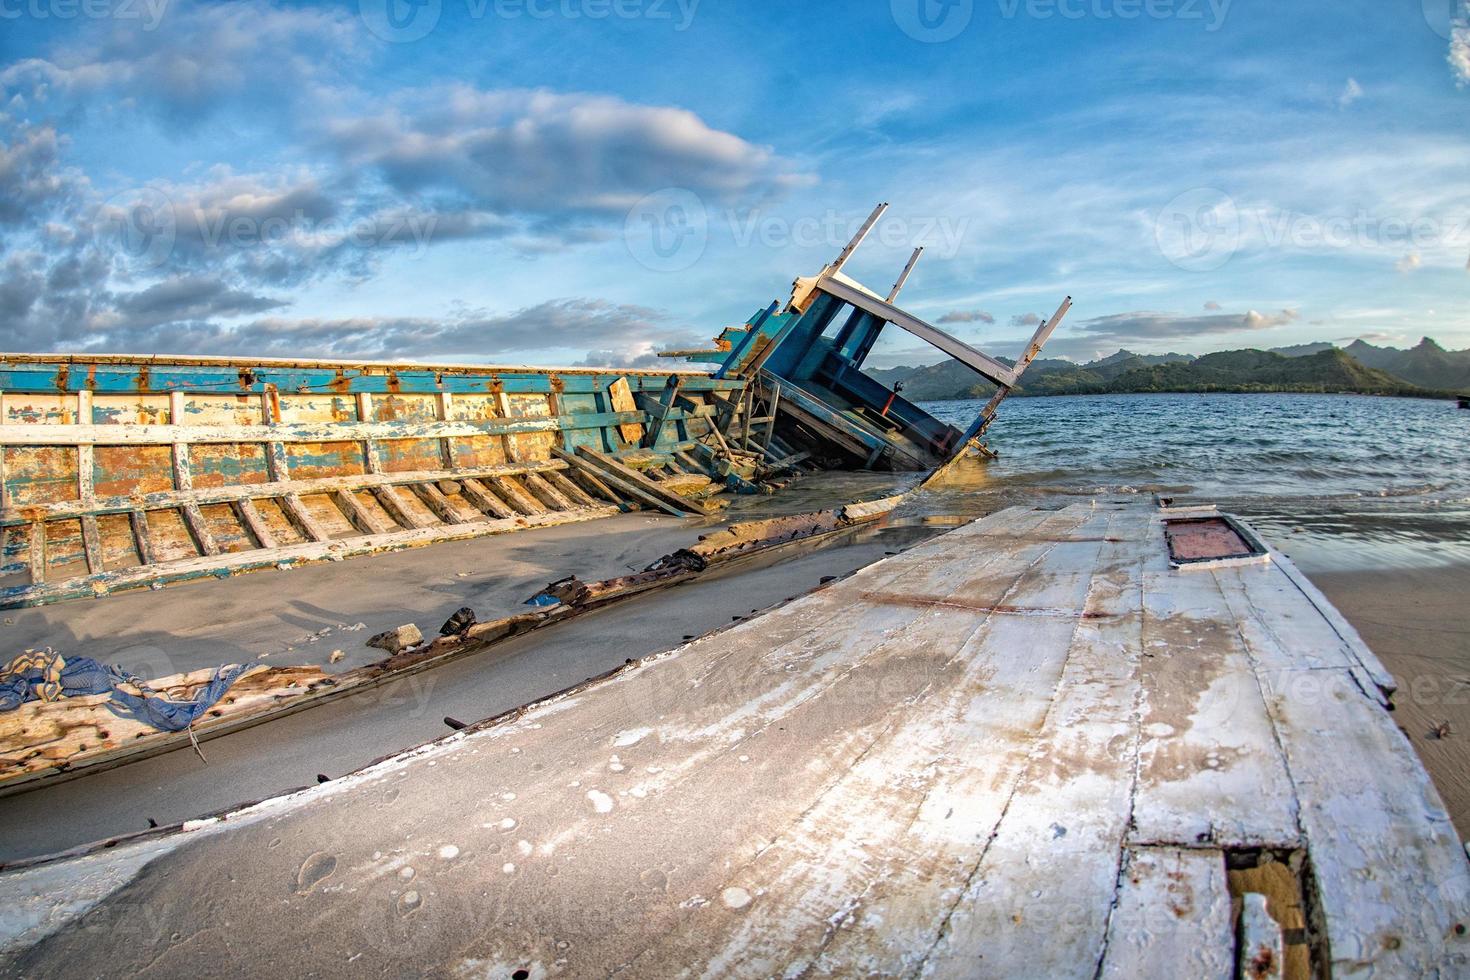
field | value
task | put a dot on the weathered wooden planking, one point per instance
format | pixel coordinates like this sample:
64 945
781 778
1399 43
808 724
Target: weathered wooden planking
1039 900
811 792
324 548
953 678
1210 767
1172 918
304 433
1392 880
257 491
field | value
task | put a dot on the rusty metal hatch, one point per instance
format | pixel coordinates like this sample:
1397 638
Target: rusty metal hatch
1210 542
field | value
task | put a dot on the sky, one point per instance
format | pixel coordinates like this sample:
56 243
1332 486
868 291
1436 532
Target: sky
588 182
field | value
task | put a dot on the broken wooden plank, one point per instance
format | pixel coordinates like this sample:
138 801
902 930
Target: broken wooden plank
629 479
569 489
620 399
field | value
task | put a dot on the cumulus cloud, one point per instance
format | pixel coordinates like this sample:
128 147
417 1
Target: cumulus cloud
183 317
1351 92
967 316
31 178
1211 305
191 60
1409 262
1026 320
541 152
1459 56
1147 327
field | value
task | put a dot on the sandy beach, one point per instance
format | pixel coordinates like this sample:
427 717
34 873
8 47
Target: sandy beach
1417 622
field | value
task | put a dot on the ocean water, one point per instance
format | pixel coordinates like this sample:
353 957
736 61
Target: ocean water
1334 480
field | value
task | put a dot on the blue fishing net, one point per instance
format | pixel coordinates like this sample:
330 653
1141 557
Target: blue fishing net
48 676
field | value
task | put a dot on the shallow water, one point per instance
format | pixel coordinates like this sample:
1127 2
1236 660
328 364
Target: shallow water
1336 481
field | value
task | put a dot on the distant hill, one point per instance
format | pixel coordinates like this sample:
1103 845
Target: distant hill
1302 350
1319 367
1425 364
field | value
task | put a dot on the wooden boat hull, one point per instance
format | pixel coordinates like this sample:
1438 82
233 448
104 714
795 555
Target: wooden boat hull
1032 746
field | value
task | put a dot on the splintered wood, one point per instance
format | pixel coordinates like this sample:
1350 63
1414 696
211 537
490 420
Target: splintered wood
1071 760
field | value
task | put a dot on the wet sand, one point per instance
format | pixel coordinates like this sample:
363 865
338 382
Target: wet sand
1418 622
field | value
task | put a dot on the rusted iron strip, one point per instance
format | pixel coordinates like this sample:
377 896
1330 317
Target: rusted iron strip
930 602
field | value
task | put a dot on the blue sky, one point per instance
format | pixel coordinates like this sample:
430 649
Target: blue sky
590 181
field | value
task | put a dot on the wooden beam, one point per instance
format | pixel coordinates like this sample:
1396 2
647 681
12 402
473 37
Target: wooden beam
569 489
437 502
36 555
363 519
518 498
255 524
298 515
855 293
475 492
199 528
257 491
142 537
549 495
645 489
22 434
388 497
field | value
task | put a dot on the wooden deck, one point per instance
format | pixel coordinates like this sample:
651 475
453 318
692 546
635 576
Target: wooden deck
1028 747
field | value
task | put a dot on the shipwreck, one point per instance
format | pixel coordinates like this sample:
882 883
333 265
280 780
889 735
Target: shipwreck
1114 737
